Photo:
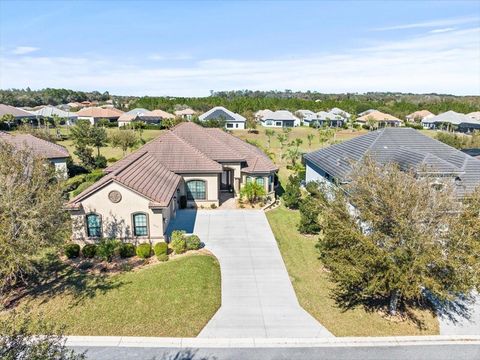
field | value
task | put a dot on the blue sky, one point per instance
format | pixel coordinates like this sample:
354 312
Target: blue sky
190 47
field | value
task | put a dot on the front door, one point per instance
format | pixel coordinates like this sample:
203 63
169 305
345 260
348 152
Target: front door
226 181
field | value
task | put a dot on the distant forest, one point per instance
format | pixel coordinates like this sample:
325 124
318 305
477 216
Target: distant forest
246 101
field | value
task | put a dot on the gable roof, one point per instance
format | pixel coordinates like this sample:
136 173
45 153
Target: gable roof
162 114
324 115
98 112
18 113
407 147
452 117
142 174
49 111
420 114
338 111
221 112
378 116
186 111
280 115
39 147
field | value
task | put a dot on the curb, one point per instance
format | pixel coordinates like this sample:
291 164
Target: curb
164 342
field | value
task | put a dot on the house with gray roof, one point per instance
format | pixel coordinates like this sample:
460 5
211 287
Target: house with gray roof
18 114
140 115
49 112
306 116
342 113
408 148
453 121
279 118
233 121
187 166
328 118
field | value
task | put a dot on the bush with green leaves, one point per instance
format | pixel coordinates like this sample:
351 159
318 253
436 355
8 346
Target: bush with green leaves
89 251
144 250
81 188
106 249
126 250
160 248
310 209
162 257
178 242
193 242
72 251
292 195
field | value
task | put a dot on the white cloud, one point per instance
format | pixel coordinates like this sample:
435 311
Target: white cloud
432 23
442 30
22 50
445 62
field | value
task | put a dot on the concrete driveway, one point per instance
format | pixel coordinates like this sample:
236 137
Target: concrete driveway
468 324
258 299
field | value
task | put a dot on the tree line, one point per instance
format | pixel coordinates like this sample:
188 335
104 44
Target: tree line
48 96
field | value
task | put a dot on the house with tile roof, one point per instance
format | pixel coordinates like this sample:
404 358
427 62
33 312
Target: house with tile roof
18 114
279 118
379 118
328 118
93 114
187 166
49 112
342 113
474 115
419 116
139 115
186 114
408 148
55 154
233 121
452 120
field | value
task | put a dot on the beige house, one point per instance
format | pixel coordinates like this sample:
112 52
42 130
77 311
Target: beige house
93 114
419 116
188 166
380 118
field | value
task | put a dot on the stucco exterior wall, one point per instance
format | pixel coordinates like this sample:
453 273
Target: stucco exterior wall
266 182
117 218
60 166
234 125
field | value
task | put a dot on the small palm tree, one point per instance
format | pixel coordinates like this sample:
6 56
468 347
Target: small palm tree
310 138
269 133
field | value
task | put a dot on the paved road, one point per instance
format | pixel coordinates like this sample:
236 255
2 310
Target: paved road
258 299
470 325
402 352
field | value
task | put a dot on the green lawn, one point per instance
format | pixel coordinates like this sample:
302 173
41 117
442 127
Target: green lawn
312 287
175 299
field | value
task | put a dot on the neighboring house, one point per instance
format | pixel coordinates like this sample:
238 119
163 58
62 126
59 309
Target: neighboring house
474 115
379 118
279 118
261 113
55 154
342 113
186 114
141 193
325 118
407 147
138 114
18 114
93 114
366 112
48 112
306 116
232 120
419 116
162 114
453 121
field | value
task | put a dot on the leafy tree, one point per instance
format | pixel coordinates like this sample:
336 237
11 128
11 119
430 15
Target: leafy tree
98 138
85 135
309 216
253 191
325 135
269 133
31 212
103 123
404 238
7 119
282 139
292 154
124 139
20 339
292 195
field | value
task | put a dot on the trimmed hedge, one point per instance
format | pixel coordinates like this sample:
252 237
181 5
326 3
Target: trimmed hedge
162 257
160 248
178 243
126 250
89 251
72 251
106 249
144 251
81 187
193 242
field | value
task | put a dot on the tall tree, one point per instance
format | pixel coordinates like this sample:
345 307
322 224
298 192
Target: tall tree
98 138
31 212
124 139
269 133
406 235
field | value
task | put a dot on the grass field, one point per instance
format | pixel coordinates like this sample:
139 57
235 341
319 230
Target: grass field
313 288
174 299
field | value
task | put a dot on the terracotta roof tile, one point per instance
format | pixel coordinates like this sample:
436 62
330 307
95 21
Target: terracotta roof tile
40 147
99 112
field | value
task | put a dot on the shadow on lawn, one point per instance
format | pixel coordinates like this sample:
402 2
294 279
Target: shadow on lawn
54 277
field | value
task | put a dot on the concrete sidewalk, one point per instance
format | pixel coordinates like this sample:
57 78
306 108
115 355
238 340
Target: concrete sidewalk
258 299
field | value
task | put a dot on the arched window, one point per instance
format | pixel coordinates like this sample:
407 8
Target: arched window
196 190
140 224
94 225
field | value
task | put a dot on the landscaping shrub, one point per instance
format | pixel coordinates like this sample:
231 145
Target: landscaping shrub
162 257
144 251
72 250
74 182
213 206
160 248
89 251
82 187
100 162
112 159
126 250
95 175
106 249
193 242
178 243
